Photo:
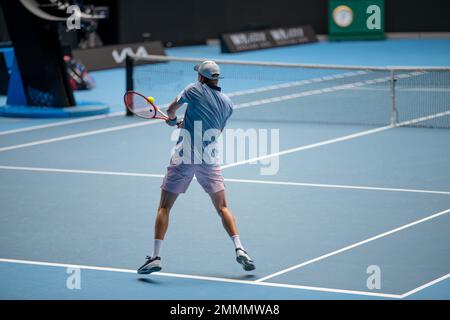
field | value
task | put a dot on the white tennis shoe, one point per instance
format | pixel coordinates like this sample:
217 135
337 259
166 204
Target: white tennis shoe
244 259
151 265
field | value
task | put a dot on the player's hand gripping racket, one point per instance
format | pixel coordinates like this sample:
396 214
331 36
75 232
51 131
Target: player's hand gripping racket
143 107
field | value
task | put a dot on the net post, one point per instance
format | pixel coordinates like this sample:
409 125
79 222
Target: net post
394 112
129 68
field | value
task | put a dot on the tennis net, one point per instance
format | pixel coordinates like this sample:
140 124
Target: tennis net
286 92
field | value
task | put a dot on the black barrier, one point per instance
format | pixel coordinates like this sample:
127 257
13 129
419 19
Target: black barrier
4 75
4 36
114 56
194 22
129 77
269 38
39 56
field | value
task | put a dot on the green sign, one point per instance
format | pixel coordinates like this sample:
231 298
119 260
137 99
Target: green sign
356 19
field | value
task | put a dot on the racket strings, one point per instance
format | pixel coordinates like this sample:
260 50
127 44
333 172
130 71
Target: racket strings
140 106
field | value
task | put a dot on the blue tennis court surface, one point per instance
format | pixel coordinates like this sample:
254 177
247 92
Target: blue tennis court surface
79 198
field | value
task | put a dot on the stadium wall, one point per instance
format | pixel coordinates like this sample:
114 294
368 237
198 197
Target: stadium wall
178 22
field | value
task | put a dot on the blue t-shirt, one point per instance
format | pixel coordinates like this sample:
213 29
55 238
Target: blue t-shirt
206 115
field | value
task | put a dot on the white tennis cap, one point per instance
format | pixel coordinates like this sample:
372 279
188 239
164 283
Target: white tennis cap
209 69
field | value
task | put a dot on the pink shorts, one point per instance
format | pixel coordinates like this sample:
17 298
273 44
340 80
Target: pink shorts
178 178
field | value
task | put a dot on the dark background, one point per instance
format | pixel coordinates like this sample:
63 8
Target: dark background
194 21
3 32
179 22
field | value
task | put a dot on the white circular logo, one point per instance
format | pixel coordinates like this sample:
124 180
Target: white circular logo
343 16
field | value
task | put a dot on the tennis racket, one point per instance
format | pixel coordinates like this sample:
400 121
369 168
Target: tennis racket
142 107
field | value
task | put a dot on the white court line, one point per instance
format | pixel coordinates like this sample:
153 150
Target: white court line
309 146
333 186
340 87
79 135
62 123
90 133
297 83
227 280
249 181
238 106
288 151
108 173
426 285
357 244
422 119
231 94
122 127
335 140
205 278
438 90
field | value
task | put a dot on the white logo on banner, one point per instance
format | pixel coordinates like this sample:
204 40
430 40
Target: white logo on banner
120 57
286 34
242 38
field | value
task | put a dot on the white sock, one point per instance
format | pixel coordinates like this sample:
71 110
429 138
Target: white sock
237 242
157 248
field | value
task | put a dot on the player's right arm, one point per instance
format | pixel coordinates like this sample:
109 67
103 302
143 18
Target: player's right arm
173 107
182 98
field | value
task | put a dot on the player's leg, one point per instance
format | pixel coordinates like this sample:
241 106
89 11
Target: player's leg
162 217
229 223
211 179
176 181
153 263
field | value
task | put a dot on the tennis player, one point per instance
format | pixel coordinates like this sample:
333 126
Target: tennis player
209 107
